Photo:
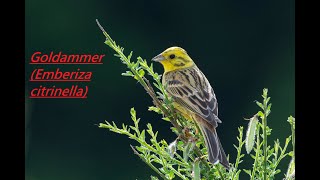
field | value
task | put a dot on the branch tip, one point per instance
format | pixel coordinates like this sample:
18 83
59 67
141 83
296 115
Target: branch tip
101 28
134 150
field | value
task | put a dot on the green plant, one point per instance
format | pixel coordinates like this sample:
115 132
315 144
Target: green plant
185 158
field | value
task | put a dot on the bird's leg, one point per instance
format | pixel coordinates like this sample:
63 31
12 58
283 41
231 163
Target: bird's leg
187 133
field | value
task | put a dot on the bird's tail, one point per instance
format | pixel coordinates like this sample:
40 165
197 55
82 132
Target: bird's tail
216 153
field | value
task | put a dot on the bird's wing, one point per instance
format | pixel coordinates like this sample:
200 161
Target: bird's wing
191 89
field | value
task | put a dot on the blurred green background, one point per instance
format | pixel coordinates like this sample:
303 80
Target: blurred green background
241 46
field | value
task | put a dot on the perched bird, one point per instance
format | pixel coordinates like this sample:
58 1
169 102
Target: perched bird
194 97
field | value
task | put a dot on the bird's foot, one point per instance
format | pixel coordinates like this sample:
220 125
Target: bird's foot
187 132
189 135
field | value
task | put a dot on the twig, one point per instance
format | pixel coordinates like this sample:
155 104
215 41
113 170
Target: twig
149 164
157 103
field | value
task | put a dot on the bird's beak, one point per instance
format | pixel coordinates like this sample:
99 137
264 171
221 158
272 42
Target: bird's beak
158 58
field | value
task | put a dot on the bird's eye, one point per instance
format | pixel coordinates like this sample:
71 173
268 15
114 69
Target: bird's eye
172 56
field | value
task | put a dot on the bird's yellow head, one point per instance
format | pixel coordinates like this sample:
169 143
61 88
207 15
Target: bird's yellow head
174 58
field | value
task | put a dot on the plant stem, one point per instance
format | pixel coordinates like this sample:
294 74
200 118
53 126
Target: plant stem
196 149
220 174
157 103
178 173
149 164
282 155
293 140
257 154
239 149
264 122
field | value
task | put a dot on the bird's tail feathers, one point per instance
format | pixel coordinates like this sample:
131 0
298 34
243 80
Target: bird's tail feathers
216 153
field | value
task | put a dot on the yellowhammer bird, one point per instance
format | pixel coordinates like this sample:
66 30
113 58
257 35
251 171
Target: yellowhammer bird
194 97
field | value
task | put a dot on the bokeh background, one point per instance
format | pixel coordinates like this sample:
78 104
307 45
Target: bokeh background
241 46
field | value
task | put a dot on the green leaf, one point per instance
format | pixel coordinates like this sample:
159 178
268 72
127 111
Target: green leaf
154 178
155 135
251 133
133 112
268 99
268 130
155 109
252 156
288 139
124 127
268 111
156 85
130 55
114 125
235 146
166 119
133 128
135 65
142 135
260 114
248 171
259 104
174 130
292 120
170 174
277 171
269 106
151 67
107 42
102 125
127 73
149 130
142 149
236 176
180 143
265 92
276 146
141 72
290 153
141 61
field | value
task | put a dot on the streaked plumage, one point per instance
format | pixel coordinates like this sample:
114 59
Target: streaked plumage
194 97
